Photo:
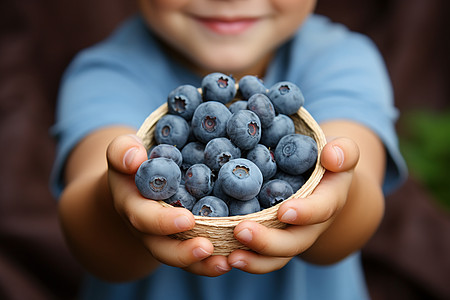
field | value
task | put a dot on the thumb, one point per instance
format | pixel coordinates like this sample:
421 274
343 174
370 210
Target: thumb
340 155
126 153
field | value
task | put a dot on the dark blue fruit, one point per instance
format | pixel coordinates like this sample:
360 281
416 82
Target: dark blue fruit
168 151
158 178
244 129
237 207
210 206
274 192
192 153
210 121
182 198
296 153
286 97
282 125
219 151
296 181
198 180
261 105
218 87
240 178
249 85
183 101
172 130
264 159
238 105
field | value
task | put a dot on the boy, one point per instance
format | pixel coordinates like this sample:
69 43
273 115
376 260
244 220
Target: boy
109 90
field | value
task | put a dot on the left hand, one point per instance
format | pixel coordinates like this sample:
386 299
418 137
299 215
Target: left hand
309 217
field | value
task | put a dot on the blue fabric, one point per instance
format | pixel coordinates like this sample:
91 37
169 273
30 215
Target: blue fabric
124 78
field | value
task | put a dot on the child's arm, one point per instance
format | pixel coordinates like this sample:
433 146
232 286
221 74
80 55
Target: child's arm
114 232
337 219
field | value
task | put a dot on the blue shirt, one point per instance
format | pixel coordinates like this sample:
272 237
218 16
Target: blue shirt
124 78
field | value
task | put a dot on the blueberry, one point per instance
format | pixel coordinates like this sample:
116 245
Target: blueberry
199 180
183 101
244 129
210 121
296 153
172 130
237 207
286 97
218 192
182 198
210 206
158 178
218 87
296 181
274 192
282 125
264 159
219 151
192 153
238 105
249 85
240 178
168 151
261 105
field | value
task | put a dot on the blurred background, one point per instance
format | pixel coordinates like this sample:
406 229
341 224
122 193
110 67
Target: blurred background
408 258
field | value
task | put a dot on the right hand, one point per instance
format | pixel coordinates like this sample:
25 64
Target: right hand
149 221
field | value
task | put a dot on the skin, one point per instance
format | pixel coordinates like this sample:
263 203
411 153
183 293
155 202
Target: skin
118 235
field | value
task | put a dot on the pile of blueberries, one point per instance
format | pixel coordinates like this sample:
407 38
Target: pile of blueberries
218 160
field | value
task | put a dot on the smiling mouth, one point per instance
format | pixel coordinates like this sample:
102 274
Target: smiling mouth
227 27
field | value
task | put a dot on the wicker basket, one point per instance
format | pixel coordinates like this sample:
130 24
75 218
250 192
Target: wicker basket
219 230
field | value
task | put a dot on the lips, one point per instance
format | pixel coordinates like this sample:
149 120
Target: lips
227 27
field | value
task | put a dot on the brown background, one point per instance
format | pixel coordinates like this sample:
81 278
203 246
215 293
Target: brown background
408 257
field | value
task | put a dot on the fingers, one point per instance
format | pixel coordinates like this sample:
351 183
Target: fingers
126 153
323 204
256 263
339 155
193 255
287 242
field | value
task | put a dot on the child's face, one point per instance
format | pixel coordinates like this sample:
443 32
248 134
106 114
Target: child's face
232 36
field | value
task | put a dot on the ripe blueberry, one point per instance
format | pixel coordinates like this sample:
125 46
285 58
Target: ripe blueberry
261 105
274 192
286 97
183 101
172 130
244 129
219 151
218 87
182 198
198 180
168 151
240 178
192 153
249 85
210 121
158 178
264 159
281 126
296 153
237 207
210 206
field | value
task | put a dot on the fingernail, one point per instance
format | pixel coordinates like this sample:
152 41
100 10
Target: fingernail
182 223
289 216
129 156
245 235
339 155
200 253
222 269
239 264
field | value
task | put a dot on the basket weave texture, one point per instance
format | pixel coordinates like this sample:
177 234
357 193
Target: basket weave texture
219 230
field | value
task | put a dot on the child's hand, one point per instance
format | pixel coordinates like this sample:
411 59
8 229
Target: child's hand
150 222
310 217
